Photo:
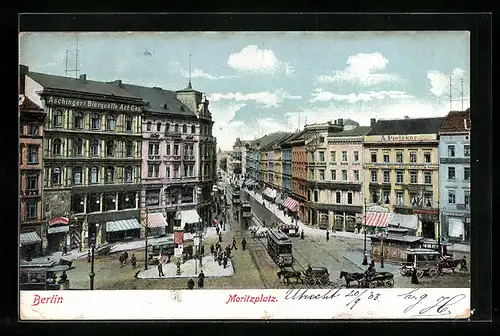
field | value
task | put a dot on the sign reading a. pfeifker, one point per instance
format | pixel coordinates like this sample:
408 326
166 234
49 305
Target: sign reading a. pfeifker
91 104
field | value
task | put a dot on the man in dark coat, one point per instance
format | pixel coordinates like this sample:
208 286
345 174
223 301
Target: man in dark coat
202 250
228 250
327 235
219 258
125 254
201 279
414 278
234 244
302 234
190 283
65 250
220 238
243 244
133 261
160 269
212 249
224 262
217 229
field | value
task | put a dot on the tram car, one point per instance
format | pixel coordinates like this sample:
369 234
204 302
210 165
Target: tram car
235 195
246 210
291 230
279 247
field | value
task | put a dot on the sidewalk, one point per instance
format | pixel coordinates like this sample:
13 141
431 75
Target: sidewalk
356 257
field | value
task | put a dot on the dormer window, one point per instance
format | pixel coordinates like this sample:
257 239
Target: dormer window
182 108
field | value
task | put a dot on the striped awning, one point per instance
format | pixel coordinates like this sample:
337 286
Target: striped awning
58 229
378 219
122 225
290 204
156 220
29 238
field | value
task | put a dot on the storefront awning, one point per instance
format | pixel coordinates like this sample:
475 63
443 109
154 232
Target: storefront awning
189 217
403 221
267 191
156 220
272 193
455 227
378 219
290 204
29 238
122 225
58 229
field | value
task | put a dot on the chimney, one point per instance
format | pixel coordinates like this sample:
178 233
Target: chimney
83 77
118 82
23 69
373 121
406 117
341 122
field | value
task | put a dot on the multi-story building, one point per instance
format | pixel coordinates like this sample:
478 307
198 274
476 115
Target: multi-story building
295 203
401 172
263 168
317 205
230 165
33 238
92 159
171 156
239 158
342 184
253 161
454 177
286 154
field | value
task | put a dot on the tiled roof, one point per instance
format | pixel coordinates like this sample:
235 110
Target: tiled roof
79 85
454 122
29 105
358 131
407 126
269 139
156 98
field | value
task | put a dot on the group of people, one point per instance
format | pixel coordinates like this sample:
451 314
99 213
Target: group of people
124 258
201 281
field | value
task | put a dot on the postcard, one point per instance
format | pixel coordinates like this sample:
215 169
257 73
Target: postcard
271 175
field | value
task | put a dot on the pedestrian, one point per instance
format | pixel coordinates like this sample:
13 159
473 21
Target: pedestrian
220 238
217 246
464 263
327 235
243 244
212 249
302 234
202 250
190 283
228 250
125 254
219 258
63 278
217 229
372 263
160 270
234 244
65 250
224 262
133 261
414 278
88 256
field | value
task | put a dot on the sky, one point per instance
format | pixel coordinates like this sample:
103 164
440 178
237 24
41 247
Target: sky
263 82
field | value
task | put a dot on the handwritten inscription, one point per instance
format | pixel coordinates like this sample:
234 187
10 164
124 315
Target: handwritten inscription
354 296
421 305
37 300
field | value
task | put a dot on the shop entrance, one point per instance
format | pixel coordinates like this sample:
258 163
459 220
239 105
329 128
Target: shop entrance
428 230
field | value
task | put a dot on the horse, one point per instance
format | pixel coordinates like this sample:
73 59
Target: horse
451 264
349 277
290 274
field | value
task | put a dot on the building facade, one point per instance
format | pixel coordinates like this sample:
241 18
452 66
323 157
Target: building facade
454 177
252 158
299 174
92 159
239 158
401 171
33 238
286 154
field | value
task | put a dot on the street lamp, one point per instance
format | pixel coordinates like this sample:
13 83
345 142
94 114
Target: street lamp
365 256
146 239
92 247
382 235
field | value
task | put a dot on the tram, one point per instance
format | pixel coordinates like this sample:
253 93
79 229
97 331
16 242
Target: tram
279 247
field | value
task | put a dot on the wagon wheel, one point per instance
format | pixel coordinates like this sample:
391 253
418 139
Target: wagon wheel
311 281
373 284
389 283
324 281
433 273
420 273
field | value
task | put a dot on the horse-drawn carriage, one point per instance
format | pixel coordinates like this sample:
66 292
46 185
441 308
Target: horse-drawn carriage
425 261
315 276
369 281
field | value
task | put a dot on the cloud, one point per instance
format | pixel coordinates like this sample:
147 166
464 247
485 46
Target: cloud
198 73
440 82
253 59
321 96
362 69
268 99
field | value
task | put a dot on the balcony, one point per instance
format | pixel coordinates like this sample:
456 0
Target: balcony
30 193
416 209
463 207
189 158
154 157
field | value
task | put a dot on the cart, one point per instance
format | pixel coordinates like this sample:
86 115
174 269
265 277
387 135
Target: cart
379 279
317 276
426 262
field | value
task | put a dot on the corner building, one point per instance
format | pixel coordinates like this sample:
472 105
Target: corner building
92 151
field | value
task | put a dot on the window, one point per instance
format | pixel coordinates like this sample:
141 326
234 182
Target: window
94 147
399 198
111 123
153 148
31 209
168 149
374 176
77 175
33 129
428 199
374 196
321 156
428 177
344 175
413 199
386 158
356 156
128 123
184 129
349 198
190 150
322 174
129 174
467 200
153 197
413 177
58 118
129 149
413 157
158 127
189 170
374 157
451 151
451 197
78 147
333 156
93 175
387 176
148 126
95 121
451 173
466 150
338 197
466 173
193 129
356 175
57 147
427 157
311 156
308 194
109 176
32 182
167 127
32 154
344 156
176 171
110 148
56 176
78 120
176 128
386 195
334 175
176 149
153 170
311 174
316 196
167 172
399 176
399 157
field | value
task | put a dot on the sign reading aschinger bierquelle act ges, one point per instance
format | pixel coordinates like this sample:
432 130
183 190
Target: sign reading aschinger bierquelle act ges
92 104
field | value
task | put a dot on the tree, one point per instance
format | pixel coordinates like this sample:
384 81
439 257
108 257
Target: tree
223 164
